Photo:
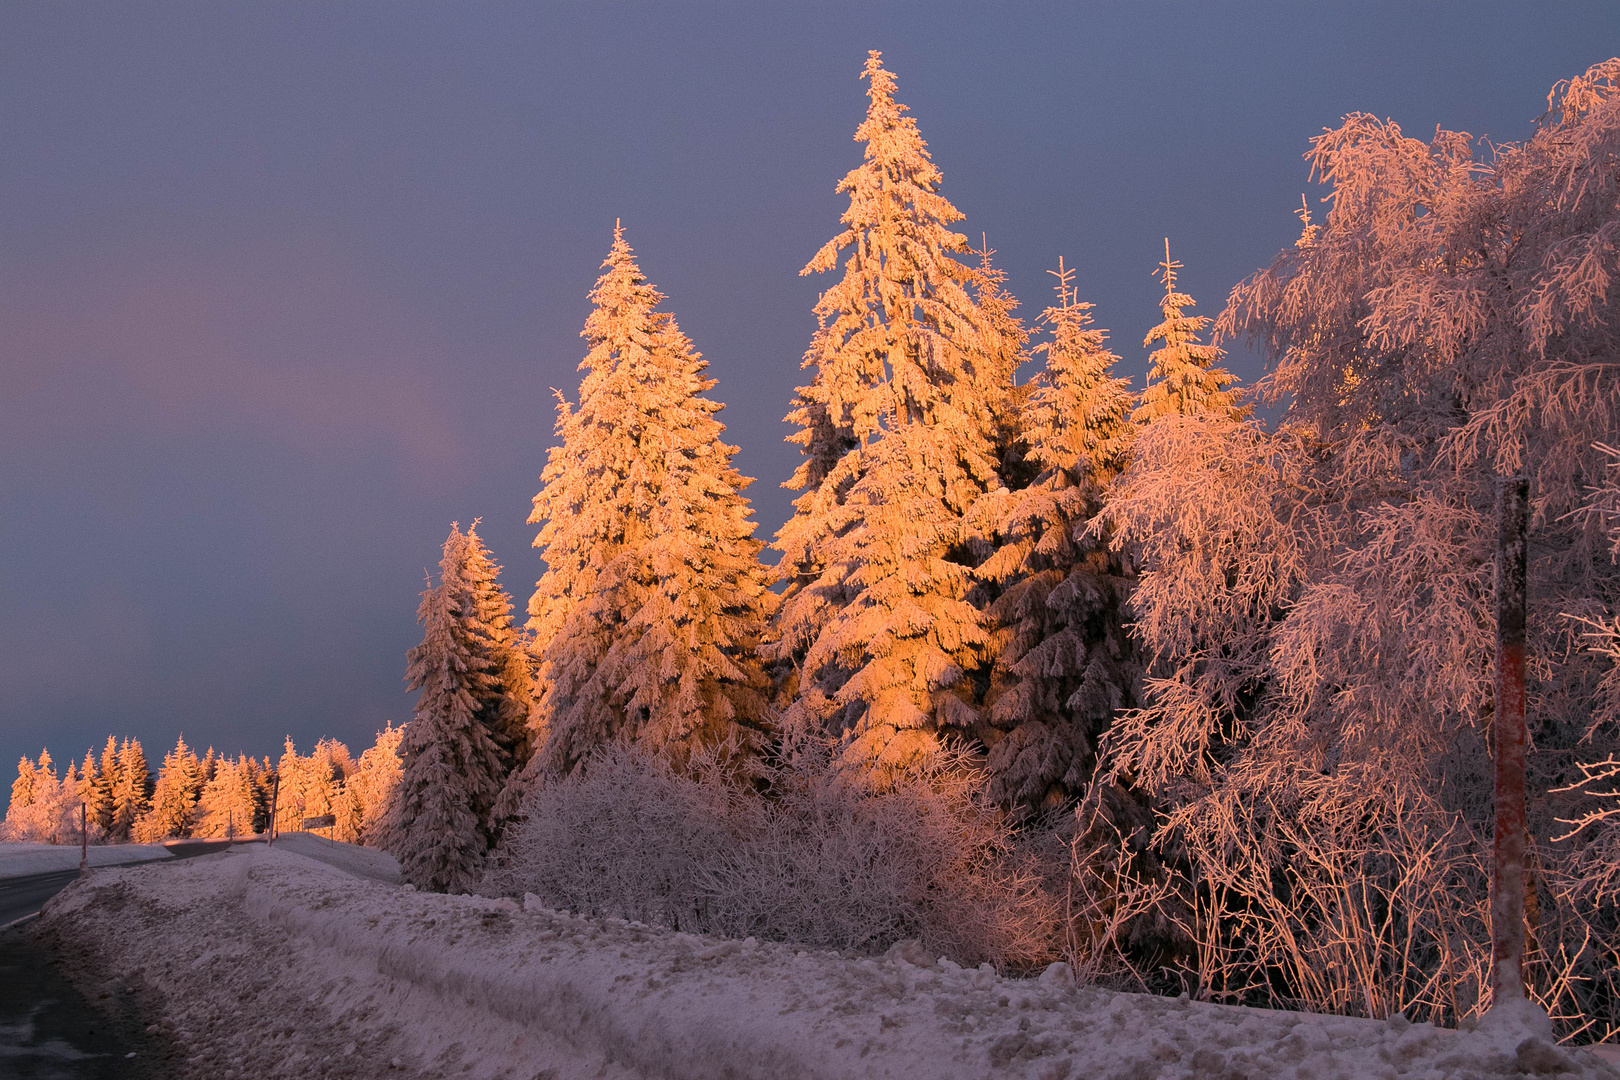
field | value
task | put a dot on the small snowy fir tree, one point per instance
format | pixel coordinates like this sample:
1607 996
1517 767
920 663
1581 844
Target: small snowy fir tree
653 599
453 768
1064 663
898 431
1183 379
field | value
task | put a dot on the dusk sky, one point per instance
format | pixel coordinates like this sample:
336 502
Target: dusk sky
285 288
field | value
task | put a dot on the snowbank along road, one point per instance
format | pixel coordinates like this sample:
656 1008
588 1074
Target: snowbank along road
265 963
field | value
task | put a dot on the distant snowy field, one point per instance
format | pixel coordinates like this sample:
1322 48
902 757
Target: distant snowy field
20 859
268 963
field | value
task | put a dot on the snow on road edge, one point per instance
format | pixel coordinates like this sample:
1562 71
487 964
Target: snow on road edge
19 859
475 987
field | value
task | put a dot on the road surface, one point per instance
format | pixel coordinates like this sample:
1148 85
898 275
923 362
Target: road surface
48 1031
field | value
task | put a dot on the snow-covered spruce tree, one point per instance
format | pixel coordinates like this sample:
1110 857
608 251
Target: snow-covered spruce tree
1319 596
1064 663
179 784
374 787
898 431
132 792
453 768
232 803
506 713
22 788
103 803
653 598
1183 379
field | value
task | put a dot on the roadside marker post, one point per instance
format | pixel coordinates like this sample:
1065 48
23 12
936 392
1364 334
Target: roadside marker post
275 791
84 838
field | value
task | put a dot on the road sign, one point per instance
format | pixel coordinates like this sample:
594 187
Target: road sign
322 822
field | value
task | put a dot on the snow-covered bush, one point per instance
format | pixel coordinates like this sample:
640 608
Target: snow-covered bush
837 862
823 858
622 835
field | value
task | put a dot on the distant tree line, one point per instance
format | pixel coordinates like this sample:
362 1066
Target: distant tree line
200 796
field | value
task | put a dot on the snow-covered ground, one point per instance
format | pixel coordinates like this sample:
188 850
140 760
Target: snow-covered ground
265 963
19 859
360 861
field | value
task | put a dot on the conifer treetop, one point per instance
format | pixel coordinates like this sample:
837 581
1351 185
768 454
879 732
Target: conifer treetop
1183 379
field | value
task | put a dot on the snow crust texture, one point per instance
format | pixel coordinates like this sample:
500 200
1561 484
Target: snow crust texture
264 963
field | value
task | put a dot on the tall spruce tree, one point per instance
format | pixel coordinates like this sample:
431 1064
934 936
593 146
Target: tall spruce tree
103 806
174 798
898 431
132 791
648 615
1064 662
507 648
1183 379
453 767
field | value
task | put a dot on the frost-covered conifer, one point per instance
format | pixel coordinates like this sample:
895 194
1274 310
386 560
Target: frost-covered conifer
1064 663
506 713
374 788
131 791
647 616
231 803
104 801
22 788
898 430
453 768
174 798
1183 380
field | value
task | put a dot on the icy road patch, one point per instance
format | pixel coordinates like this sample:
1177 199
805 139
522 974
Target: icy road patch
264 963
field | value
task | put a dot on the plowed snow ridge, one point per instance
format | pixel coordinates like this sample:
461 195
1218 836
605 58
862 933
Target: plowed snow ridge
266 963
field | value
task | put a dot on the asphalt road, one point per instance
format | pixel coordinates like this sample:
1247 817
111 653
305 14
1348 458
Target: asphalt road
21 896
48 1031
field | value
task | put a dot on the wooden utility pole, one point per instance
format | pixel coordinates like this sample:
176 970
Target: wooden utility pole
1507 863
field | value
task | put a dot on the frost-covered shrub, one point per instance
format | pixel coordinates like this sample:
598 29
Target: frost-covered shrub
622 835
824 858
835 862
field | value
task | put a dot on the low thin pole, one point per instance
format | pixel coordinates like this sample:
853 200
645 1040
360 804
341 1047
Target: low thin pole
84 836
275 792
1508 843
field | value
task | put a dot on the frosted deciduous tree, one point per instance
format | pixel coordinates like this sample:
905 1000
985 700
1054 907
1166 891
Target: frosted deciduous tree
1318 598
1064 663
453 768
1183 379
898 427
653 599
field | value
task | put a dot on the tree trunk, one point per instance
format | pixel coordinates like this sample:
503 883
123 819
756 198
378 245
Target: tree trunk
1507 864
